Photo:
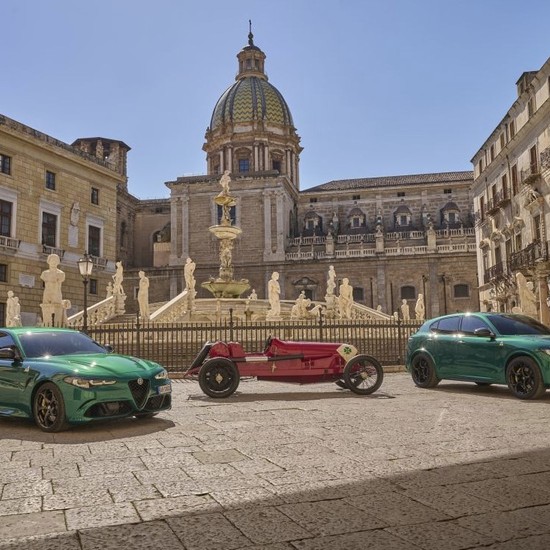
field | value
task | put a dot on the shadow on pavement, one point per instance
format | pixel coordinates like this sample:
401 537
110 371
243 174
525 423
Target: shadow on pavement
26 430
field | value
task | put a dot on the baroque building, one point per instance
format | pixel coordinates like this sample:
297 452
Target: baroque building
56 198
510 191
393 237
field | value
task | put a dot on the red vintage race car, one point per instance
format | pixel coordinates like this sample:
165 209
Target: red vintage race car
219 366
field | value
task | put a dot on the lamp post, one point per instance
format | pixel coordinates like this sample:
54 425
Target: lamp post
444 281
85 265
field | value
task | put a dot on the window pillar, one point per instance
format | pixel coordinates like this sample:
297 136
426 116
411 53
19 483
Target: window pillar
256 159
267 224
266 157
230 158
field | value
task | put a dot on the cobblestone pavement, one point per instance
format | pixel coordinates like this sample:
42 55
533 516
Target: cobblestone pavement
283 467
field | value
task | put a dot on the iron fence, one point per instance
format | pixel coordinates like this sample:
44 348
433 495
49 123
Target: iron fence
175 345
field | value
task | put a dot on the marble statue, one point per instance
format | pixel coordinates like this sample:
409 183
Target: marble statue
273 295
405 310
299 309
253 295
331 281
143 296
189 274
75 213
345 299
53 279
13 310
225 180
52 299
419 308
118 277
527 297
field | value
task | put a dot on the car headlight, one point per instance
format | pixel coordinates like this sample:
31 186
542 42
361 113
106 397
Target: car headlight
88 382
162 375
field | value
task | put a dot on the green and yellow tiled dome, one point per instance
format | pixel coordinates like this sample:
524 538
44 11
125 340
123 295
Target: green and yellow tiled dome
251 98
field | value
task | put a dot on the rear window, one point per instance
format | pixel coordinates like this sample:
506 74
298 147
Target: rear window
509 325
447 325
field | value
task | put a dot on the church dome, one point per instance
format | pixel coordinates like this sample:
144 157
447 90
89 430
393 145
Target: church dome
251 98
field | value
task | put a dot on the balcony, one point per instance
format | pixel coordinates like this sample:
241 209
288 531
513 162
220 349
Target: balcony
47 250
526 258
531 175
545 159
99 263
7 243
496 272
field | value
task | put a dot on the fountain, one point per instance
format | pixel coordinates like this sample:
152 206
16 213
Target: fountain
225 286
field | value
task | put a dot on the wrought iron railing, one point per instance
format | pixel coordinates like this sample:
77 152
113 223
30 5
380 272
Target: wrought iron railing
526 258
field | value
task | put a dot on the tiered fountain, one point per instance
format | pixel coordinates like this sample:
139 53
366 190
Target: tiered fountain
225 286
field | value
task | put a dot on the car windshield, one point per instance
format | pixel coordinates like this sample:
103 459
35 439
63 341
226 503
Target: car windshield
509 325
40 344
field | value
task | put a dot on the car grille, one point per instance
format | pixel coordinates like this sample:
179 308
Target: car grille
158 402
139 391
111 408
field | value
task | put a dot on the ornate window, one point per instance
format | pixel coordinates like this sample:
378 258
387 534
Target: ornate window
356 218
313 224
402 216
450 214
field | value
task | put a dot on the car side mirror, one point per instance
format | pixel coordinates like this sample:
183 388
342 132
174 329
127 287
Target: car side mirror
484 333
109 348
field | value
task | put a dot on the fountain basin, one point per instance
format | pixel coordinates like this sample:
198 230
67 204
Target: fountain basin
228 232
226 289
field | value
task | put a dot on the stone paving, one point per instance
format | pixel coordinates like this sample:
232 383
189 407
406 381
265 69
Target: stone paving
284 467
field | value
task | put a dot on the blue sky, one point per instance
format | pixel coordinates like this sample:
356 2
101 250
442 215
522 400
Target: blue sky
376 88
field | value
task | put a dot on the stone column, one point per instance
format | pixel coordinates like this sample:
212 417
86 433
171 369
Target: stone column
256 158
222 167
266 157
174 203
280 223
230 158
267 223
184 227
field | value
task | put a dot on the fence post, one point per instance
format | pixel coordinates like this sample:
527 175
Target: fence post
399 340
321 336
138 335
231 324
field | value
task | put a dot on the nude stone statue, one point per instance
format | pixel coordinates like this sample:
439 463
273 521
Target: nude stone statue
53 279
188 273
143 296
13 310
405 310
273 294
345 299
419 308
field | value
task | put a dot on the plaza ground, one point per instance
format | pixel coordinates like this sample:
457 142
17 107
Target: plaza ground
285 467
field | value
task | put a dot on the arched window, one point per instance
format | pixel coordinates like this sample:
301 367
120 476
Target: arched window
408 293
461 291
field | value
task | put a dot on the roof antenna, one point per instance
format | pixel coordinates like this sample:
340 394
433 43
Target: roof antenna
250 35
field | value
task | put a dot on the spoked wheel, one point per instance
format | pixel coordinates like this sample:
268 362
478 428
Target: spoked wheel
219 377
49 408
524 378
363 374
423 372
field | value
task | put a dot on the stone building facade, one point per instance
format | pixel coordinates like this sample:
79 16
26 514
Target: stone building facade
393 237
56 198
511 199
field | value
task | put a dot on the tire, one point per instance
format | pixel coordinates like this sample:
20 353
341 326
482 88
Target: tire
48 408
524 378
363 374
483 384
219 377
423 372
143 416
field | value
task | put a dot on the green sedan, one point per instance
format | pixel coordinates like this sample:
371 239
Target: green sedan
485 348
60 377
